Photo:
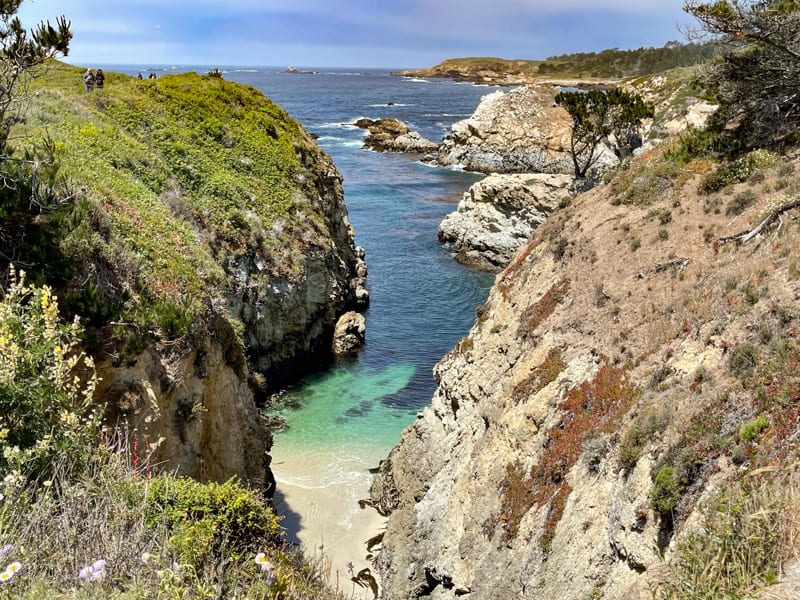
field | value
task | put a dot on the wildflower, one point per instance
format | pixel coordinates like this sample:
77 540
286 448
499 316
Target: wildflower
9 479
14 567
5 576
6 549
94 572
146 557
270 570
261 559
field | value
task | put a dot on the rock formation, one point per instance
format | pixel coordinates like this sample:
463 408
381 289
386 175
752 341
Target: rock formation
596 404
349 335
392 135
522 131
498 214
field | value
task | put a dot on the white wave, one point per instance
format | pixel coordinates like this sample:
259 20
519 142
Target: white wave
418 80
350 125
245 70
447 115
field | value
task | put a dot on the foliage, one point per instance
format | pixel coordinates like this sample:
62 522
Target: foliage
185 180
205 517
666 492
749 531
737 170
46 382
60 529
757 80
602 116
21 52
540 377
648 423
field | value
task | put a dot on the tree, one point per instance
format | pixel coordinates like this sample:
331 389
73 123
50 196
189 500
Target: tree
21 52
757 81
602 116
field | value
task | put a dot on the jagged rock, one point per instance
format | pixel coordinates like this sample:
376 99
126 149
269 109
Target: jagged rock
392 135
522 131
499 213
349 335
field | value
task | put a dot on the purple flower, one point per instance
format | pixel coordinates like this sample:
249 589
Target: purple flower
94 572
5 550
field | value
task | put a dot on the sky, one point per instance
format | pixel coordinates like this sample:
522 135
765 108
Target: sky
351 33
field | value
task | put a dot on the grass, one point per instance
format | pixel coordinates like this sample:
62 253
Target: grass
749 532
157 537
182 179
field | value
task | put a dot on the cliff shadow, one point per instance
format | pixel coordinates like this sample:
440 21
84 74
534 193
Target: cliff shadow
290 519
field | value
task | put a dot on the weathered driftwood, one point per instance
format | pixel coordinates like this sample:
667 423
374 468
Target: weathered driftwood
746 236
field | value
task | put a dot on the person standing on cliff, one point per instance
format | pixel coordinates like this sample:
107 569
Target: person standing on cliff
99 79
88 80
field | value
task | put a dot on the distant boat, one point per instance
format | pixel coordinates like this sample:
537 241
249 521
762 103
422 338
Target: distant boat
294 71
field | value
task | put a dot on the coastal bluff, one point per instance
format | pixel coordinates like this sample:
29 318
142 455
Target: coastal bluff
211 257
583 430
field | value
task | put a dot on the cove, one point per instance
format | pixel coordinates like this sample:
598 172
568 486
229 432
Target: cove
343 421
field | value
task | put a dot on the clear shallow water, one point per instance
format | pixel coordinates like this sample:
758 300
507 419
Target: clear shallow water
343 421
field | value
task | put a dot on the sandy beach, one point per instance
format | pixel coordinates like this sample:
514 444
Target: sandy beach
317 495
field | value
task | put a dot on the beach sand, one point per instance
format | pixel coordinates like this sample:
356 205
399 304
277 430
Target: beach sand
317 495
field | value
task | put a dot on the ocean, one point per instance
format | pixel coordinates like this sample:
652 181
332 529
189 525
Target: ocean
343 421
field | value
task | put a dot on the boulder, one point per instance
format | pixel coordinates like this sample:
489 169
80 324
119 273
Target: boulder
349 335
498 214
392 135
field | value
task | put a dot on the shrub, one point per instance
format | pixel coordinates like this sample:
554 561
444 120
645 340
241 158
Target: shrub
740 202
46 383
749 431
743 361
666 494
205 517
749 532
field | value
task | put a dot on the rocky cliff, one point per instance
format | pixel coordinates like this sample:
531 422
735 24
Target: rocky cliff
521 131
209 253
628 363
498 214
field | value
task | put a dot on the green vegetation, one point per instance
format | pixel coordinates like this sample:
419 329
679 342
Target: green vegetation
602 116
616 64
78 519
175 183
748 534
608 64
756 80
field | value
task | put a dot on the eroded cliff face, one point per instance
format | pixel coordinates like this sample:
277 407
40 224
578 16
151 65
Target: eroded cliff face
602 357
289 318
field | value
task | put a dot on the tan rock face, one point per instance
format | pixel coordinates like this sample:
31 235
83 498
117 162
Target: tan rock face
521 131
519 480
193 414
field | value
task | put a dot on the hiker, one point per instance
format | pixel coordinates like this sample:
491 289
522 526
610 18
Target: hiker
99 79
139 76
152 76
88 80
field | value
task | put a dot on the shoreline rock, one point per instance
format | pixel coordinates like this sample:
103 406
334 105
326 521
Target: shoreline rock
392 135
498 214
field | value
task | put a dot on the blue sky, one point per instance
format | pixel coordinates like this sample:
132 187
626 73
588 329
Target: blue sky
351 33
